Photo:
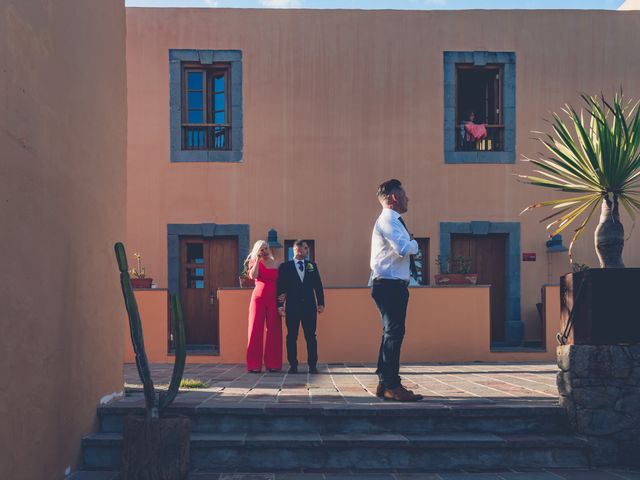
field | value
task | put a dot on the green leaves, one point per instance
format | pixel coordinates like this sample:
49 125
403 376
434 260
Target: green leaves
593 153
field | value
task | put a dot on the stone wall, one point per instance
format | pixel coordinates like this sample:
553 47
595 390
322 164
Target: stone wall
600 388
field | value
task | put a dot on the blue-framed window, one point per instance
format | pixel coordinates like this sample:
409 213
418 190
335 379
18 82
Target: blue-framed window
206 105
479 107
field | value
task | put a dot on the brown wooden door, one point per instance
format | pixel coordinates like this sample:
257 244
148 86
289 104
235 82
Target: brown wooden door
488 260
206 264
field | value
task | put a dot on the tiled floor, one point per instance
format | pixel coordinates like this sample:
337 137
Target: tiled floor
475 383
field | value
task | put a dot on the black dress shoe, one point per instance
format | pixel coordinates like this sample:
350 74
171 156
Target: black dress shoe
293 370
380 390
313 370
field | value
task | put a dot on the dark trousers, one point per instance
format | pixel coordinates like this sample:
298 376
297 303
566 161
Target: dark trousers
391 299
308 319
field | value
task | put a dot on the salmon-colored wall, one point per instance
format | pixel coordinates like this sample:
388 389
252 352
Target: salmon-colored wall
335 102
62 178
444 324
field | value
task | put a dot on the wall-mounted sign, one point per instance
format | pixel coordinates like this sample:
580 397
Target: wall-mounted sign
528 256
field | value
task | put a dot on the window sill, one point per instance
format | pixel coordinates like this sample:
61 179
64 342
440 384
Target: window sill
479 157
206 156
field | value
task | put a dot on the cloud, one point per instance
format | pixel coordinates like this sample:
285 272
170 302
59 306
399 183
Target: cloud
281 3
211 3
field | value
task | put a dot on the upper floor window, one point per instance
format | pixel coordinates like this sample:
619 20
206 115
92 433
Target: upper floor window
479 107
206 116
479 101
205 90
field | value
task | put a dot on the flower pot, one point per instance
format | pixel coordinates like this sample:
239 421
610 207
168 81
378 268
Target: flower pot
601 305
456 279
246 282
141 282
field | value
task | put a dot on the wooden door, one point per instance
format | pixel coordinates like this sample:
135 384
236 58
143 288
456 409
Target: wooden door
488 260
206 264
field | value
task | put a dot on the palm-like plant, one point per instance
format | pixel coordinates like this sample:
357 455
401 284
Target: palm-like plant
595 156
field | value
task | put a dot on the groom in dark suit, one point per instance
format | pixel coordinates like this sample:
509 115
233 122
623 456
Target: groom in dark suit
300 285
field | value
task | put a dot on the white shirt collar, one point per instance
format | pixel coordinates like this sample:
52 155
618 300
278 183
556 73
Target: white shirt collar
390 212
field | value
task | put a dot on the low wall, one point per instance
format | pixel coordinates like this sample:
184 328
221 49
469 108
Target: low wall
444 324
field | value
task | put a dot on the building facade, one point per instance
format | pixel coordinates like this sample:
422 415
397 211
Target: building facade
244 121
63 126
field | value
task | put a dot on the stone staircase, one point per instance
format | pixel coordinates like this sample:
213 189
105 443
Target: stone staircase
377 437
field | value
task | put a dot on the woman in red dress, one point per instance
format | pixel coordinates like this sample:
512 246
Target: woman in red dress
263 308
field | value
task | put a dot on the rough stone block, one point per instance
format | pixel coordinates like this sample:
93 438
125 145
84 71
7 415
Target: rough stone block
594 421
596 397
563 381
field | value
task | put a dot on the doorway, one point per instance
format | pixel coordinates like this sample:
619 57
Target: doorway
487 258
206 264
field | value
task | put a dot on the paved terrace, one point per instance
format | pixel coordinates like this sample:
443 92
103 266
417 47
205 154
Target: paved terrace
354 384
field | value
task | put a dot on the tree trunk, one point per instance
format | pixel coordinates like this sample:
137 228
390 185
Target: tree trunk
609 235
155 448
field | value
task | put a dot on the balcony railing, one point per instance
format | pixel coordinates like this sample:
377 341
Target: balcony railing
206 137
494 142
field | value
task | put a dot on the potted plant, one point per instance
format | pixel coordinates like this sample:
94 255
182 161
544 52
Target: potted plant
595 156
244 279
155 446
455 271
138 278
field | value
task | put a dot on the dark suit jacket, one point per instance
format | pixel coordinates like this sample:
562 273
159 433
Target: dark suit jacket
300 295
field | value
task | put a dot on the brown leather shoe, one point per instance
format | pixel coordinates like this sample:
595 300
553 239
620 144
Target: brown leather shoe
400 394
381 388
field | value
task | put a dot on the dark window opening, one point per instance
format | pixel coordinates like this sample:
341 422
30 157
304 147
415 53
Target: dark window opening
206 118
479 116
288 250
421 262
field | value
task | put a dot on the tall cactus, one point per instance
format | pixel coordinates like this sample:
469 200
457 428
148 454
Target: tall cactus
177 328
154 404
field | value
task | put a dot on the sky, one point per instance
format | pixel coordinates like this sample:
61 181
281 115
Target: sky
384 4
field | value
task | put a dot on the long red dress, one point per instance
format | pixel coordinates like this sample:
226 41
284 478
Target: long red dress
263 308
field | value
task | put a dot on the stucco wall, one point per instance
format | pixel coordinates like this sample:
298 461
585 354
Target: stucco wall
62 188
335 102
349 329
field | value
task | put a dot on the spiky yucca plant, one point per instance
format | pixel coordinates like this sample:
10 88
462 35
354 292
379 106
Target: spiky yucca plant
594 155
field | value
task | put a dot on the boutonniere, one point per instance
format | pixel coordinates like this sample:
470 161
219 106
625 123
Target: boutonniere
310 267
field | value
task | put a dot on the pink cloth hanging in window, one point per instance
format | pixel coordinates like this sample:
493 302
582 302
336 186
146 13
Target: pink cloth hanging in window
475 132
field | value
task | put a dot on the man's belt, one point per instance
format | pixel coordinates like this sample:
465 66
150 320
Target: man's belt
390 281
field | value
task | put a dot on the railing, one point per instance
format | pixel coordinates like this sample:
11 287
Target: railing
206 137
494 142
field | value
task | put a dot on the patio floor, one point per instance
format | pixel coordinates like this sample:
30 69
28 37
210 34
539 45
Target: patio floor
470 384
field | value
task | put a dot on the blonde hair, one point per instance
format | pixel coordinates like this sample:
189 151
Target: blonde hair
253 254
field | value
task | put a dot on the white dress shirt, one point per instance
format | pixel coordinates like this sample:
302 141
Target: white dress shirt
391 246
300 273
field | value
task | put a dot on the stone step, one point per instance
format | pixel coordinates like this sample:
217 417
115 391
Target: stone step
386 417
294 451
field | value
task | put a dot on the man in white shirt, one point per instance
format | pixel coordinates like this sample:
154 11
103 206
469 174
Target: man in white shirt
391 250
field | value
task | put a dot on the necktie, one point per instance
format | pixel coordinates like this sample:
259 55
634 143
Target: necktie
412 260
300 266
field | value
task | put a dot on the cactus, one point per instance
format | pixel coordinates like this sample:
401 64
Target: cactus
155 404
177 328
